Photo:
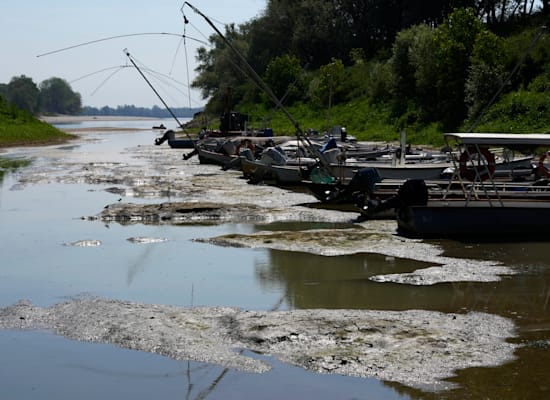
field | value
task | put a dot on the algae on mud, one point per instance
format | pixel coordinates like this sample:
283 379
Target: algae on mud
416 348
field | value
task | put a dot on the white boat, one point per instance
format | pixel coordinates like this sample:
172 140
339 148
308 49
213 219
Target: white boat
274 166
476 203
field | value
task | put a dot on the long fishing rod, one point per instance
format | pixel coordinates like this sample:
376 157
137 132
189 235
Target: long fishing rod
118 37
256 77
259 81
98 72
160 98
153 88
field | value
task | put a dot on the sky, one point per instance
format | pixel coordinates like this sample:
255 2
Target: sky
101 72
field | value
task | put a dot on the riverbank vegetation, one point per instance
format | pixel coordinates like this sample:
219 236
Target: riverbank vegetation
133 111
51 96
381 67
19 127
9 164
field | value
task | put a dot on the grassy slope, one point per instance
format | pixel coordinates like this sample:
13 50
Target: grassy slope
18 128
515 112
362 119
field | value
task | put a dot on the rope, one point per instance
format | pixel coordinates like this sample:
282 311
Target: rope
186 21
116 37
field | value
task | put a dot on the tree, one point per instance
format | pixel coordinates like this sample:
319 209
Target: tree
414 70
56 96
498 12
455 40
220 71
282 75
486 72
23 93
329 87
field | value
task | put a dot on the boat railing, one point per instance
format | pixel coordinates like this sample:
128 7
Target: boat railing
475 172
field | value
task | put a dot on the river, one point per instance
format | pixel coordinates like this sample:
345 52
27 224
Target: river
52 251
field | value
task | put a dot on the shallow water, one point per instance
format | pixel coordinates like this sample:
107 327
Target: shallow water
42 217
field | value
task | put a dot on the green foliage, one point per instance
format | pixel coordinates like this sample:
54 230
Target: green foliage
455 42
283 76
521 111
532 58
57 97
413 68
382 67
12 163
330 87
486 73
23 93
357 56
18 127
541 83
54 96
362 118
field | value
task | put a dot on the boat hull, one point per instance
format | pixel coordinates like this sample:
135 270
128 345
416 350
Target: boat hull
181 144
216 158
281 174
427 171
482 220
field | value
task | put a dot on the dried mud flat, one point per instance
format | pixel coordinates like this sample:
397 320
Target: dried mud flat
416 348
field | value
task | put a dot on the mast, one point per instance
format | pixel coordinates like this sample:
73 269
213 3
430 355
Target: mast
153 88
259 81
160 97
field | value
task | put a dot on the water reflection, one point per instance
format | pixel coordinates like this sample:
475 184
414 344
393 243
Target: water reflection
39 365
311 281
179 270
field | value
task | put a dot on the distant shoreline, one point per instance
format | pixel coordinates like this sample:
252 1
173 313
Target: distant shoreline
69 119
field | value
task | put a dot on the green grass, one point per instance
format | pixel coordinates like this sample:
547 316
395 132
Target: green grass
10 164
518 112
362 119
19 128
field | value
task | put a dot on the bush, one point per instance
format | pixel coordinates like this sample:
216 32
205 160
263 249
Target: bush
522 111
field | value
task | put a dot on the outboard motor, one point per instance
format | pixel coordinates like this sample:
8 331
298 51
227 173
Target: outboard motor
272 156
168 135
365 180
413 192
359 188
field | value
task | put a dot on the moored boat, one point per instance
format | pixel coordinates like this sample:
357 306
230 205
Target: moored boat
476 203
173 141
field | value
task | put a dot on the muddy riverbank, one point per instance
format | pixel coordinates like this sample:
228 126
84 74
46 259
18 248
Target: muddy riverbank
415 348
152 186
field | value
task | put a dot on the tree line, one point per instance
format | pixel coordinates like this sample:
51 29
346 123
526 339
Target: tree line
428 60
133 111
53 95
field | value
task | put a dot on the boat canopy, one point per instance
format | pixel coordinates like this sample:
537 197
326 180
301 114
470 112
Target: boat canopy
509 140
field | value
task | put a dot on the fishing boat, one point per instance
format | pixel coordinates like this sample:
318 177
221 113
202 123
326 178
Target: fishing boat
274 166
476 203
173 142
